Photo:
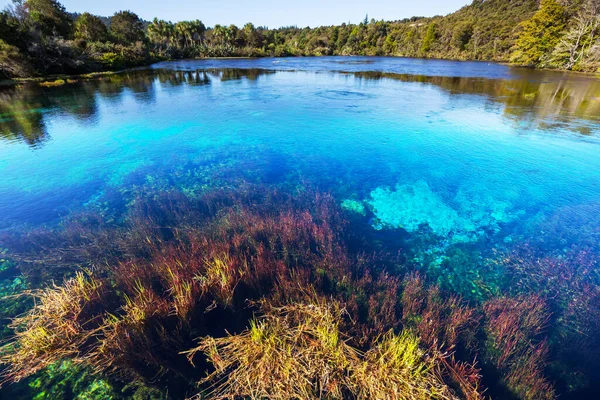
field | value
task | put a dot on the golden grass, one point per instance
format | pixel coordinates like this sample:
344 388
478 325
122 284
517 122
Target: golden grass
297 352
54 329
397 368
292 352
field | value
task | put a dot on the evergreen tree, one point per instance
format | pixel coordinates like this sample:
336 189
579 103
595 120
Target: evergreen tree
127 28
91 28
540 34
49 17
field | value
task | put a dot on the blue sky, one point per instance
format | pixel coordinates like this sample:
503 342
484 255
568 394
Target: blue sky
267 12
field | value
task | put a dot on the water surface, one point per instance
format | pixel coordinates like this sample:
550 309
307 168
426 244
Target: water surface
349 125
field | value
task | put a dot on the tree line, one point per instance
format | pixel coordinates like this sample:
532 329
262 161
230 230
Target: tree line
39 37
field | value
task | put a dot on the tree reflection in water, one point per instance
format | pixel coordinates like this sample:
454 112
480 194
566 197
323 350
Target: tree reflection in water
544 100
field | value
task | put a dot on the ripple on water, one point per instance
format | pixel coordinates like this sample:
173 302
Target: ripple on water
344 95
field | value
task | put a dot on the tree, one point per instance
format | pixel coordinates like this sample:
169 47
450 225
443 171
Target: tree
12 31
220 34
250 34
189 32
91 28
161 34
575 47
462 35
540 34
430 37
49 17
127 28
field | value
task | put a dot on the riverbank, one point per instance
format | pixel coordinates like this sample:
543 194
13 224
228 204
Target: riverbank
55 80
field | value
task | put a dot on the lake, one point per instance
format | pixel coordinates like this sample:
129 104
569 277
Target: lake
447 163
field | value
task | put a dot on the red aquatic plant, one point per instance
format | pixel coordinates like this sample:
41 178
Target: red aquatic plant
186 268
446 325
570 280
441 320
517 345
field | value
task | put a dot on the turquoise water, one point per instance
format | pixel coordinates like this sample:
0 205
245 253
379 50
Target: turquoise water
450 164
348 133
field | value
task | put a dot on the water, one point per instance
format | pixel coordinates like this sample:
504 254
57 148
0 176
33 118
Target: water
477 154
532 142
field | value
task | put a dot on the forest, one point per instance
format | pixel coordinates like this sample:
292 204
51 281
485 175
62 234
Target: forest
41 37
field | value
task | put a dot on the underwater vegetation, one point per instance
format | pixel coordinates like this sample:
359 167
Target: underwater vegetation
300 351
256 292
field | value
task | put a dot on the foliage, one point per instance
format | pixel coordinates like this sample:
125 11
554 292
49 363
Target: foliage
430 37
578 47
91 28
127 28
12 62
554 36
49 16
540 34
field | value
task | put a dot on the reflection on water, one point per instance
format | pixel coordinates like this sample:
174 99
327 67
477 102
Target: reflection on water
546 104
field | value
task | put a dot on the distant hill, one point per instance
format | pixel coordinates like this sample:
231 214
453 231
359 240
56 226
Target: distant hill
488 28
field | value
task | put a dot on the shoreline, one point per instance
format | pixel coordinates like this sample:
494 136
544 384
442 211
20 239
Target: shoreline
63 79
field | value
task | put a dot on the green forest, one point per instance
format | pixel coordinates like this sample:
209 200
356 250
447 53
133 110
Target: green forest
41 37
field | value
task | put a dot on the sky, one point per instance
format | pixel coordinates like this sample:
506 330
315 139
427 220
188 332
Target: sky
270 13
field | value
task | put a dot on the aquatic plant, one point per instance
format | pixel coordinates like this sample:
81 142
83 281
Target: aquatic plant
234 267
446 326
354 206
60 326
298 351
63 379
397 368
292 352
179 268
440 320
569 279
566 227
57 82
461 268
517 346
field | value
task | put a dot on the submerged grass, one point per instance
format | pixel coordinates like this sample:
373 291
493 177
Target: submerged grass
58 327
284 307
295 351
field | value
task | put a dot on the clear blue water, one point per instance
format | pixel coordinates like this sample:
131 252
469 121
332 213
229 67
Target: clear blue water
451 165
501 132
